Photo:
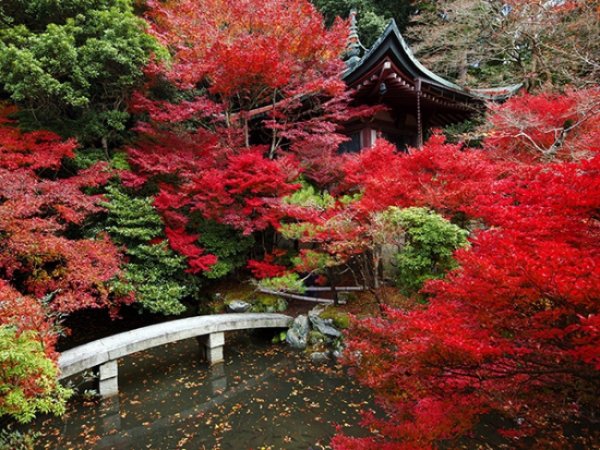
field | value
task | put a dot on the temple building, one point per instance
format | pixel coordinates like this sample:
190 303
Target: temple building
416 98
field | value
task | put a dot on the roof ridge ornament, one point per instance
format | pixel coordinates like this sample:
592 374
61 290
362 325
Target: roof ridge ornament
353 46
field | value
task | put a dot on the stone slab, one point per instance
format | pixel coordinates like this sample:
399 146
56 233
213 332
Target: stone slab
109 370
109 387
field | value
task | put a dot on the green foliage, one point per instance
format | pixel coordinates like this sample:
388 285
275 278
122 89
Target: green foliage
155 272
269 304
339 318
279 338
289 282
467 132
429 243
86 158
308 197
310 260
72 64
230 246
297 230
347 199
28 378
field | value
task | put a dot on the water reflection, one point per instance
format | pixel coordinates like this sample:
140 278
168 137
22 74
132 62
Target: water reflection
262 396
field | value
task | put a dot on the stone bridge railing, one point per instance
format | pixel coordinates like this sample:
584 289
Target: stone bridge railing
102 355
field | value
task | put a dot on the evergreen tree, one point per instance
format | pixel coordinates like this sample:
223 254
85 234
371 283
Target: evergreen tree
71 64
154 271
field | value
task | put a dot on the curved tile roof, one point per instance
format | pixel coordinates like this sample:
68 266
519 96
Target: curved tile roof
392 44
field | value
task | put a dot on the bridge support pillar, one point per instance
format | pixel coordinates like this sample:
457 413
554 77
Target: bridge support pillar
108 381
212 346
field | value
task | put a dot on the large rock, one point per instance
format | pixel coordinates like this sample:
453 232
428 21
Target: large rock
316 311
324 326
301 324
238 306
295 339
297 335
337 354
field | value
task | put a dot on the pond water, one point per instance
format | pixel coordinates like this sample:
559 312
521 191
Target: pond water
263 397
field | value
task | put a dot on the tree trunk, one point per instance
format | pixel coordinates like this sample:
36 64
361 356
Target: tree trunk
332 283
463 68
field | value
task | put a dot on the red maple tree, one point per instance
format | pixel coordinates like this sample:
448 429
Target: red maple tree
39 207
513 333
259 102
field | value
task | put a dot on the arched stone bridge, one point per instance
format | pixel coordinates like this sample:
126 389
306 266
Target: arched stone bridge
103 354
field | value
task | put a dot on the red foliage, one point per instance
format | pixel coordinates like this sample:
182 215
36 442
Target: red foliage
164 112
451 179
544 127
269 74
245 48
34 150
271 67
184 244
267 268
440 176
236 187
25 313
242 192
261 269
513 332
545 202
35 214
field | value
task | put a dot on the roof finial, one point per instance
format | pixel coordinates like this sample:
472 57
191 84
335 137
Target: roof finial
353 46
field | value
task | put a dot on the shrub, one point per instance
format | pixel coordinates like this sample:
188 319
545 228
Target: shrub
154 271
429 243
28 377
73 63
